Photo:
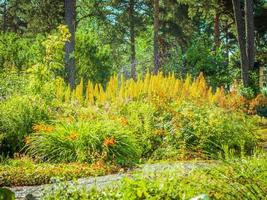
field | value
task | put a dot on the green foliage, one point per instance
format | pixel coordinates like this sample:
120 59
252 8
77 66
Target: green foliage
235 179
24 171
43 74
140 118
13 50
197 131
246 92
93 58
85 141
200 57
12 83
6 194
18 115
18 52
264 91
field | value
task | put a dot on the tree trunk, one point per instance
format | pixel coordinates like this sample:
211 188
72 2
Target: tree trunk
249 23
5 16
216 30
70 15
132 38
241 42
156 37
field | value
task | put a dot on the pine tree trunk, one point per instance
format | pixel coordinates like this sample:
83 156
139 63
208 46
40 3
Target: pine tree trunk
241 42
217 29
70 15
5 17
156 37
132 38
249 22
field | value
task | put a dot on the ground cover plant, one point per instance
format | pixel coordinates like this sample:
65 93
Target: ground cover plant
232 179
25 171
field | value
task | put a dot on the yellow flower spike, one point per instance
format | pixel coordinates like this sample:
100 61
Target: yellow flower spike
67 94
79 92
156 88
90 93
122 88
102 95
60 90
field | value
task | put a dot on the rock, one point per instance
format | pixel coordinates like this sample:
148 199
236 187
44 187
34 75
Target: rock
201 197
30 197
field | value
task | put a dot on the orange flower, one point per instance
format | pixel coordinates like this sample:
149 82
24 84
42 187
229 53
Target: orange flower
109 142
72 136
159 132
70 119
112 117
124 121
98 165
43 128
27 140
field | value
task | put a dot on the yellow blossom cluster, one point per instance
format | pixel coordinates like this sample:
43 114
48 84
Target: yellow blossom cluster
157 88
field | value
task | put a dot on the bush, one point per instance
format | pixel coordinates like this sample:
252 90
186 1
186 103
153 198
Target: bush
11 83
6 194
246 92
264 91
235 179
140 117
204 130
84 141
17 116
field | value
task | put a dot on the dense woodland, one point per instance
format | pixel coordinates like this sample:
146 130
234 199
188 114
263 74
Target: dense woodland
95 87
222 39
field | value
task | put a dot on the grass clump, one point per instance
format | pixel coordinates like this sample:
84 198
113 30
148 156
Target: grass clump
84 141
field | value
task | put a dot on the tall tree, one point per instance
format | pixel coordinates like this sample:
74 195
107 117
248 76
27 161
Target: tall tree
249 23
132 38
241 41
70 15
156 37
217 29
4 15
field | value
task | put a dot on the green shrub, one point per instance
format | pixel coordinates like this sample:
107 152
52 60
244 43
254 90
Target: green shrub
246 92
17 116
85 141
11 83
264 91
204 130
140 118
236 179
6 194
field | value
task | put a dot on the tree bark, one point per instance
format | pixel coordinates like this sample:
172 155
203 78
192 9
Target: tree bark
217 30
241 42
156 37
70 15
5 17
132 38
249 23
